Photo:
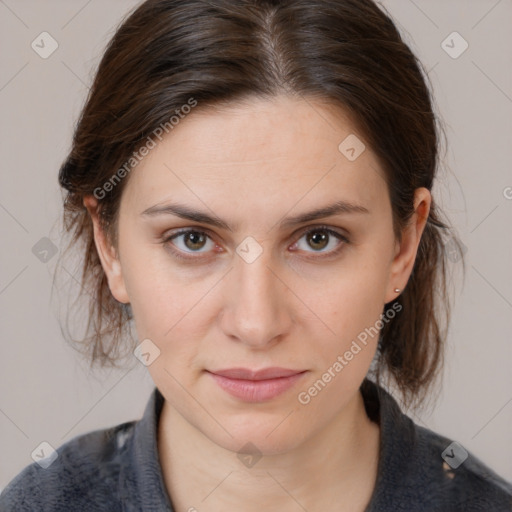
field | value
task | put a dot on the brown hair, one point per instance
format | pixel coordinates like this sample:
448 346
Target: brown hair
349 52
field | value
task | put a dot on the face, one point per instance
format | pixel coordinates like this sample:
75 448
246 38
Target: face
262 287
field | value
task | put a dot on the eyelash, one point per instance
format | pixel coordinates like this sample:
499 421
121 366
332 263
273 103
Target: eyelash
179 254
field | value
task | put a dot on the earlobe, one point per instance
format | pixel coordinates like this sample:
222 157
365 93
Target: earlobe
403 262
107 254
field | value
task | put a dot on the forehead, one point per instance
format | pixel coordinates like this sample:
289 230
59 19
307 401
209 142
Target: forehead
257 152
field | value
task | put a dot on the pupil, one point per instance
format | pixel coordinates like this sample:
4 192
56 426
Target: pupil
194 238
320 237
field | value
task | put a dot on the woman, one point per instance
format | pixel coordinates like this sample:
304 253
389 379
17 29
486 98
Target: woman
252 184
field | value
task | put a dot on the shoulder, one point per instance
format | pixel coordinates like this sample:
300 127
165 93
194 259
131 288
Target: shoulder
454 479
83 476
424 471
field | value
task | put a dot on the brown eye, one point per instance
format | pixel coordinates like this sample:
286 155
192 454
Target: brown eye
318 240
321 240
189 242
194 240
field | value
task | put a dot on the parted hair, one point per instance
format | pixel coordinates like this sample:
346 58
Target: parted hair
169 53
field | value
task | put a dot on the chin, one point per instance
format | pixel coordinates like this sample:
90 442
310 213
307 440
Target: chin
271 437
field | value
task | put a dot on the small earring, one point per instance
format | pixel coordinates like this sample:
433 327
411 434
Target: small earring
397 290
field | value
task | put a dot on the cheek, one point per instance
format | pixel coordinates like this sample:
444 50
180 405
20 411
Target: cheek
351 307
168 306
353 302
343 358
149 286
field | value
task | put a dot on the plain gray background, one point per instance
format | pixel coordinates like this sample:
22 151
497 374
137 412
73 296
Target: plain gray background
47 393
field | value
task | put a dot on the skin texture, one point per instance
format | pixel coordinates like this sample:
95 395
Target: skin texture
296 306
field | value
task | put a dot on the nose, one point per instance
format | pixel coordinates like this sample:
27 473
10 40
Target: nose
257 310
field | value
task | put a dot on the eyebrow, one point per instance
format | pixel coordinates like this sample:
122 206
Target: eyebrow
179 210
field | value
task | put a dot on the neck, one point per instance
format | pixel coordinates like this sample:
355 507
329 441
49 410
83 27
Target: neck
335 466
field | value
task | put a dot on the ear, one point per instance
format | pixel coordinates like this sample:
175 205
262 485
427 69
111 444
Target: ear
107 254
405 254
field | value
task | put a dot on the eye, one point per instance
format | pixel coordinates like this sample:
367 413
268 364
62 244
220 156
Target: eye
190 241
321 238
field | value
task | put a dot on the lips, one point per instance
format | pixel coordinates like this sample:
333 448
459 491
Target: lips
255 375
256 385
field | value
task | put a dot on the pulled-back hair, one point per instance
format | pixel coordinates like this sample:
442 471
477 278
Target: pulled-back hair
168 54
